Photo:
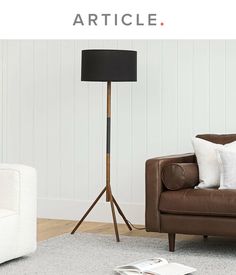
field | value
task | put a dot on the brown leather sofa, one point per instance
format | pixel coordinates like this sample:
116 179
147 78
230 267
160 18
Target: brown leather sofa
188 211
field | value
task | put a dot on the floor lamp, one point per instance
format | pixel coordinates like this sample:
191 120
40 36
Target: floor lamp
108 66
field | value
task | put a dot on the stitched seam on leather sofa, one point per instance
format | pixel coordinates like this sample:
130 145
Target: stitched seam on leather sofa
196 213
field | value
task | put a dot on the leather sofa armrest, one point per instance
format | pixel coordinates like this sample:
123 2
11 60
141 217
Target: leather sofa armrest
154 186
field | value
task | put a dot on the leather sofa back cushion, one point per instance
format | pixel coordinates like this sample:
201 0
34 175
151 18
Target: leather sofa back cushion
219 139
178 176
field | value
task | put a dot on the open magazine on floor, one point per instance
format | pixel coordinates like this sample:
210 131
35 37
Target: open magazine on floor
154 266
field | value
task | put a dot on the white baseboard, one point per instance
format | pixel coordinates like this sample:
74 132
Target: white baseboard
74 210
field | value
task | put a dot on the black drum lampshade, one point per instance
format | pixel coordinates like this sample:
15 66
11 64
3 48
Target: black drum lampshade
109 65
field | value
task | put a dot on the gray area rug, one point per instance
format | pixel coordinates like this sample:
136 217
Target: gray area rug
86 254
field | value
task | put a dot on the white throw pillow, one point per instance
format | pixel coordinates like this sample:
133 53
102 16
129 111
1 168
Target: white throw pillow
207 159
227 161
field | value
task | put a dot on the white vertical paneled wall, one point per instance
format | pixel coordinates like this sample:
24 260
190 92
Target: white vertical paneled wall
51 120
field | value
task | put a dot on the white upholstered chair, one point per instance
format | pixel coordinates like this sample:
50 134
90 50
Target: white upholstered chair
17 211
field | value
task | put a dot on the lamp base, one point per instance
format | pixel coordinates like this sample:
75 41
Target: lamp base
107 188
113 203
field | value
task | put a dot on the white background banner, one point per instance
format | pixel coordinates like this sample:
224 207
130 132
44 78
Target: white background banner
172 19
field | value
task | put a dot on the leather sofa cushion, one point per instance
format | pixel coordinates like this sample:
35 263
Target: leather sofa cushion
219 139
176 176
206 202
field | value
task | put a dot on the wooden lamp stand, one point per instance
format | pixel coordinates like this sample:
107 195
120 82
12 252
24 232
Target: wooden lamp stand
109 197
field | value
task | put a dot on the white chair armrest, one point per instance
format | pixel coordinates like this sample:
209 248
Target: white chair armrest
17 194
17 187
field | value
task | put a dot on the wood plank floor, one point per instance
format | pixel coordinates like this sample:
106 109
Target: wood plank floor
48 228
